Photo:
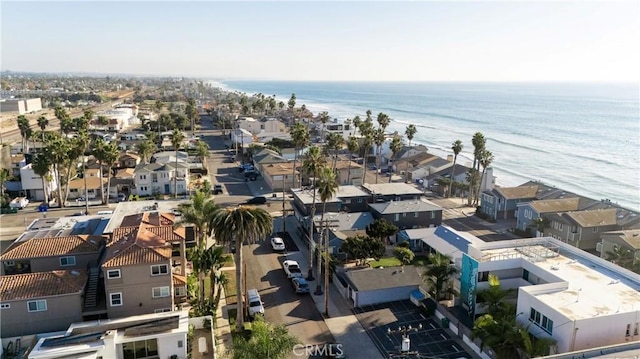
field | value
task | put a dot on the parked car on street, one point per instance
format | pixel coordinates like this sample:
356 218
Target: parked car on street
246 167
251 174
300 285
257 200
277 244
255 303
291 269
217 189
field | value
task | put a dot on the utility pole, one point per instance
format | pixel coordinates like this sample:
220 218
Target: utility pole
284 215
86 191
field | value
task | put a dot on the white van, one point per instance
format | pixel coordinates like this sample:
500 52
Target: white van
100 213
255 303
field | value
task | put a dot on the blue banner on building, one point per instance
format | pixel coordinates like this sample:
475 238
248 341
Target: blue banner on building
468 282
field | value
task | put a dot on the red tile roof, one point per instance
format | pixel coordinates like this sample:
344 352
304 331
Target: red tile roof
41 284
54 246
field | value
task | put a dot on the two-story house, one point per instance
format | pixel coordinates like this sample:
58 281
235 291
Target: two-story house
459 175
51 253
41 302
158 178
279 176
408 213
346 199
339 226
502 202
32 185
128 160
349 172
528 212
384 192
615 241
94 185
582 229
141 264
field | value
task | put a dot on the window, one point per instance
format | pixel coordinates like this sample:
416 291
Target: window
635 329
180 343
140 349
397 217
180 291
113 274
115 299
559 226
7 306
628 331
542 321
10 263
347 200
162 310
37 305
143 177
160 269
525 275
160 292
404 214
415 214
359 200
67 261
595 229
433 214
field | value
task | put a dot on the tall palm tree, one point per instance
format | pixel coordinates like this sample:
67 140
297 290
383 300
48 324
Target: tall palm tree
367 132
145 149
493 298
472 177
240 224
395 146
479 142
58 151
199 211
110 157
176 140
378 138
324 118
353 145
410 132
485 160
357 121
300 137
43 122
457 148
335 142
158 107
327 188
438 275
313 163
23 126
42 166
202 152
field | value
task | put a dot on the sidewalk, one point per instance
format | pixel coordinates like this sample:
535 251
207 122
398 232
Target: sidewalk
343 324
222 330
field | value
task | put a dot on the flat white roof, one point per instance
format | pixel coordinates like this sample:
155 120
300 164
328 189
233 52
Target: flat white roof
124 209
306 195
595 287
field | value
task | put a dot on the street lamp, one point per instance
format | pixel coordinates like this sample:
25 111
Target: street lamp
406 342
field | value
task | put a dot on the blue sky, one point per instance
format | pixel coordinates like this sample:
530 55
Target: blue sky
333 41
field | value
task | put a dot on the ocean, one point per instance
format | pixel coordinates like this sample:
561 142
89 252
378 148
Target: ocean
581 137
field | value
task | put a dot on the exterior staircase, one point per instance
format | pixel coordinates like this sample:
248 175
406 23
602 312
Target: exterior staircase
91 293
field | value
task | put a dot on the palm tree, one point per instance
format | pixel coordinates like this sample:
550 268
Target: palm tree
240 224
23 126
479 142
292 103
395 146
58 151
493 298
324 118
313 163
199 212
110 157
158 107
485 160
620 255
42 167
367 132
438 275
378 138
335 142
457 148
43 122
145 149
327 188
300 137
352 145
202 152
357 121
473 177
176 140
410 132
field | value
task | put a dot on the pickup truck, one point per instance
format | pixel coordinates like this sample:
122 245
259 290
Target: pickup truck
291 269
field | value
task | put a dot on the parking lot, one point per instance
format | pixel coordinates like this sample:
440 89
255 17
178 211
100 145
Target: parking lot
429 341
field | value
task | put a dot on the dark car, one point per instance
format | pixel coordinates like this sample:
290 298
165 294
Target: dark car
257 200
218 189
252 175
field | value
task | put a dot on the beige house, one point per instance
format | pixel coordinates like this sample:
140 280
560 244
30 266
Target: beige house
51 253
348 172
41 302
142 258
94 187
626 239
582 229
279 175
128 160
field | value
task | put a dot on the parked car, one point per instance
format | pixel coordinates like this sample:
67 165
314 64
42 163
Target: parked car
81 199
121 197
245 167
217 188
251 174
255 303
257 200
19 203
277 244
300 285
291 269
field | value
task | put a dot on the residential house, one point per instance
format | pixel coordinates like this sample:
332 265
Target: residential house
43 254
410 151
17 162
502 202
122 182
340 226
40 302
263 126
409 164
346 199
379 285
240 137
459 174
348 172
115 125
158 178
31 184
582 229
139 268
266 157
159 335
408 213
280 177
128 160
384 192
615 241
528 212
94 187
344 129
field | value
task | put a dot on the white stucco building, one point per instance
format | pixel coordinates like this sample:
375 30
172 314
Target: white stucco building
578 299
264 125
32 184
21 105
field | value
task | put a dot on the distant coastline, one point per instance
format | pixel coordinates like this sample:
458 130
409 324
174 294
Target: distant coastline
538 131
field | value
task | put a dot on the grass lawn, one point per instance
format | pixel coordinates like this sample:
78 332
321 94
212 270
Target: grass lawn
386 262
232 313
228 260
230 287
